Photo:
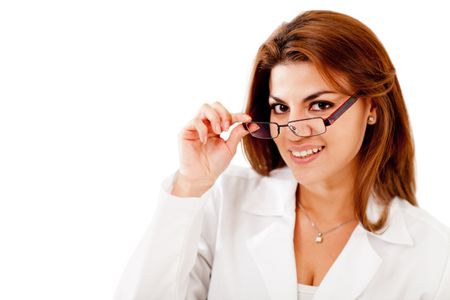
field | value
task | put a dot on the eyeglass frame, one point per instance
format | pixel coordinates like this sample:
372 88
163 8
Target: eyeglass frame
327 121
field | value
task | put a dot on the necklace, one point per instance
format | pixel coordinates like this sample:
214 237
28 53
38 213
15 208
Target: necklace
319 236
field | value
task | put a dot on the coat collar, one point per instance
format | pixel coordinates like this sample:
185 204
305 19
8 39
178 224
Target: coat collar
277 198
272 247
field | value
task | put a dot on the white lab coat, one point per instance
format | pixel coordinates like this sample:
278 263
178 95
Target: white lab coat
236 242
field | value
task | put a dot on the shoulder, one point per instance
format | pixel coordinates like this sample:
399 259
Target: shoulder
417 234
432 242
242 188
247 179
424 225
235 171
249 174
238 180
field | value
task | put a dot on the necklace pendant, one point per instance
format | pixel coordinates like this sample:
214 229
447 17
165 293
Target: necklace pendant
319 238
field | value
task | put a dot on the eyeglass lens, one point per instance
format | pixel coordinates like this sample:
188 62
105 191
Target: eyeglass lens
304 128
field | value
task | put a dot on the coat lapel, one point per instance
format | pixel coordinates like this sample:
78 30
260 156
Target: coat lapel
275 260
358 262
352 270
272 248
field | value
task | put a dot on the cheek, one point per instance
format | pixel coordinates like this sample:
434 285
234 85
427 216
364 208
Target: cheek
346 138
278 142
281 144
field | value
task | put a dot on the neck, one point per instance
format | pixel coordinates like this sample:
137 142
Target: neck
330 202
332 206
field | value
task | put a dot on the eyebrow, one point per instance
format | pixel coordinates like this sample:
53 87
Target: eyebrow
309 98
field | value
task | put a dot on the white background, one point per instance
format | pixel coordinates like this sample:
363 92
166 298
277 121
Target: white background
92 97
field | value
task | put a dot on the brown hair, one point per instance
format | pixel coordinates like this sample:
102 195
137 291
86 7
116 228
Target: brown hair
338 44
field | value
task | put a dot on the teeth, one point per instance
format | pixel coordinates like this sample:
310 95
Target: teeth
305 153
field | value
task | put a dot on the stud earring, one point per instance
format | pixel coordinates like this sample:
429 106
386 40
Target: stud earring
371 120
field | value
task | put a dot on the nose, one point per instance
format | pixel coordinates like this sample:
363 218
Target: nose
289 129
289 133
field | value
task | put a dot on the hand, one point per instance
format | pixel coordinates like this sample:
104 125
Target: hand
203 154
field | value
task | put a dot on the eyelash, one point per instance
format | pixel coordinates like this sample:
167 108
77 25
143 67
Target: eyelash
329 104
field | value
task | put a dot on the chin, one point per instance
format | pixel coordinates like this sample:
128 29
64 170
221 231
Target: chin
308 173
306 176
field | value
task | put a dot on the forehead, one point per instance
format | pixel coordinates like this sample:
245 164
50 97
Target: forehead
296 80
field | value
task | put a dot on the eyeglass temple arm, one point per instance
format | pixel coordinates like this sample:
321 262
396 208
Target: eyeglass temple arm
343 108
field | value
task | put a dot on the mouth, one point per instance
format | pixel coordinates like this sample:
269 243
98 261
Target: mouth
308 154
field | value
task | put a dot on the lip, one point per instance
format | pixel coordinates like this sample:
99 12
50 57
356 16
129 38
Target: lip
308 159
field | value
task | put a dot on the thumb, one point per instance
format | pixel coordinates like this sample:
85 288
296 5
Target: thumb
235 137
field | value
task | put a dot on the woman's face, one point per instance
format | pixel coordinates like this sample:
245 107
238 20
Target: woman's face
305 94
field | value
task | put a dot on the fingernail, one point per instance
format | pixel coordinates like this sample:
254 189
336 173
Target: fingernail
217 128
226 125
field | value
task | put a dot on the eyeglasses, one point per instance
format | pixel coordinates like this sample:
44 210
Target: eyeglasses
302 127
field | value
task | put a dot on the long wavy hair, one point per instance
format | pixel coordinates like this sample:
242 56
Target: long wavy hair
342 47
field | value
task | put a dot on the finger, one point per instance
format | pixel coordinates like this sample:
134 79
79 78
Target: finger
251 127
210 114
236 135
224 115
195 129
202 130
240 117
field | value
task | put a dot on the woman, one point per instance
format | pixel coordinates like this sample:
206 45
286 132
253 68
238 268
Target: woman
328 209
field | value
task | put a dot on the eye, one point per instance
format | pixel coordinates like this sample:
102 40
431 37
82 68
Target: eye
279 108
321 105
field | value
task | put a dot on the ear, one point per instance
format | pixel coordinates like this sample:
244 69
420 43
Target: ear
372 108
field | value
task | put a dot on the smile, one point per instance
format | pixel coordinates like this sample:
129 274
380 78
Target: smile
307 153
